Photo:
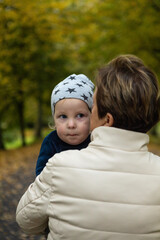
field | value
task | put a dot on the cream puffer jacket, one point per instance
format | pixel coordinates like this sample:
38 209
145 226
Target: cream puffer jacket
108 191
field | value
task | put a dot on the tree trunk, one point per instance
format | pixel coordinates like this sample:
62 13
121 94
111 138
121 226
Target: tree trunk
38 128
2 147
20 107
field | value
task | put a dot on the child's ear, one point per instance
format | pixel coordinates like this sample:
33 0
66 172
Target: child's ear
109 120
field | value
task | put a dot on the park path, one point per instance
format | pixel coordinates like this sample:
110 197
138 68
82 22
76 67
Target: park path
12 186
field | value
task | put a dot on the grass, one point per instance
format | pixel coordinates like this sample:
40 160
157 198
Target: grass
18 143
15 141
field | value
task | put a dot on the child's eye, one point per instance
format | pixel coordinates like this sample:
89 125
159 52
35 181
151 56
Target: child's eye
80 115
62 116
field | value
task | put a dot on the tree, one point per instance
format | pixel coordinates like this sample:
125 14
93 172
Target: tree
42 42
28 52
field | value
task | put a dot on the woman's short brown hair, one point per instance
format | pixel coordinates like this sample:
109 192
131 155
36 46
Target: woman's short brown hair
129 91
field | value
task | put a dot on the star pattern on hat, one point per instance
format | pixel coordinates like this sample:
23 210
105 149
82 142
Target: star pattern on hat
84 82
72 77
74 86
70 90
79 85
90 94
84 97
57 91
61 98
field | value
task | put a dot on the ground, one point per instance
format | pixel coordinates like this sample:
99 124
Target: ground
17 171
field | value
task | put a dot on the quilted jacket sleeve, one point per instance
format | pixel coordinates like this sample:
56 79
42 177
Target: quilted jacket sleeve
31 213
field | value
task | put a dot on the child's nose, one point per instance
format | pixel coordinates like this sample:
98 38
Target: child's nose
71 123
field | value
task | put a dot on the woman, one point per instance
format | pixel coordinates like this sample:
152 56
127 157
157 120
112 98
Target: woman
110 190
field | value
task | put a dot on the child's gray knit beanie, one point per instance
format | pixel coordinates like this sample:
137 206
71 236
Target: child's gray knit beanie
74 86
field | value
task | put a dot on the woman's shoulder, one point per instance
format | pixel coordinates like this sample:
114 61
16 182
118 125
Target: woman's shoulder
71 158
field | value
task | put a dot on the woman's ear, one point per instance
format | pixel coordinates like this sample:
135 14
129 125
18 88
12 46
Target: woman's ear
109 120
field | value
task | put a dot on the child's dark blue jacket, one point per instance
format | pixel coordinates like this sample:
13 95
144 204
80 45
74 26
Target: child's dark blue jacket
51 145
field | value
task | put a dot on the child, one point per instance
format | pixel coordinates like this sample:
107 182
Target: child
71 104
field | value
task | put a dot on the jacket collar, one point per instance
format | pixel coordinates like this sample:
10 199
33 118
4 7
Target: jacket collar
119 139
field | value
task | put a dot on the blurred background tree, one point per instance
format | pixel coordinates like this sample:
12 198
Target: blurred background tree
42 42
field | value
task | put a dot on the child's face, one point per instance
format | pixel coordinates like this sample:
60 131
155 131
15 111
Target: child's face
72 120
